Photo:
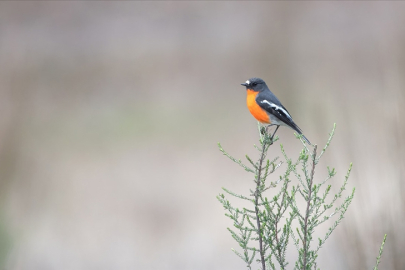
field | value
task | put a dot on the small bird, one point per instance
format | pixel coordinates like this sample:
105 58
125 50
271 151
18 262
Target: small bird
266 107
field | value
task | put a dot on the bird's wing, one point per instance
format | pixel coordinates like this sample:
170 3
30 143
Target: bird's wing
273 106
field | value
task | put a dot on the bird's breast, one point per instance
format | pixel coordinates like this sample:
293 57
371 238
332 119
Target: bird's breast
259 113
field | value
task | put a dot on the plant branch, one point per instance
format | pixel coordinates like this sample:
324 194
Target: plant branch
380 253
257 195
307 212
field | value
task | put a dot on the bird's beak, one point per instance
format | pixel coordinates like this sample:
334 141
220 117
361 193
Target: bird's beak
244 84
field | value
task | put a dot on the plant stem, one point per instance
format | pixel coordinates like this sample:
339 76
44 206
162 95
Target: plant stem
307 211
257 194
278 246
278 217
381 251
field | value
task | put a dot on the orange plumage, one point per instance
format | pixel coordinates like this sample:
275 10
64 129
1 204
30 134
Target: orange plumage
260 114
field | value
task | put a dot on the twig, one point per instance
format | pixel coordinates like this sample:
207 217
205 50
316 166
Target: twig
380 253
257 195
307 211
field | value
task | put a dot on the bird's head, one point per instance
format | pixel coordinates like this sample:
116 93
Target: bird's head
255 84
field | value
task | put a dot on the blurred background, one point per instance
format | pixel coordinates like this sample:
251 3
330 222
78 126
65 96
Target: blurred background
111 113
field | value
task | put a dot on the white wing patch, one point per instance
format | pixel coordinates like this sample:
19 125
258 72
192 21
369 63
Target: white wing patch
277 108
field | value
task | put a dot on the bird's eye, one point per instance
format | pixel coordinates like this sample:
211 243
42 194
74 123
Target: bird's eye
253 84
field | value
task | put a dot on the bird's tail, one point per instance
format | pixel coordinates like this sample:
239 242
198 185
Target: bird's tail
299 131
305 138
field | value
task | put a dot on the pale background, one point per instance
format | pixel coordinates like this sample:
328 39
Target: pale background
111 113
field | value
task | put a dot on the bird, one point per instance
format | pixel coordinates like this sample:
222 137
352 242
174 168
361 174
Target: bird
266 107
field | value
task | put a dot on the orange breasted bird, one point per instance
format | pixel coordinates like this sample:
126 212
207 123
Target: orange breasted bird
266 107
